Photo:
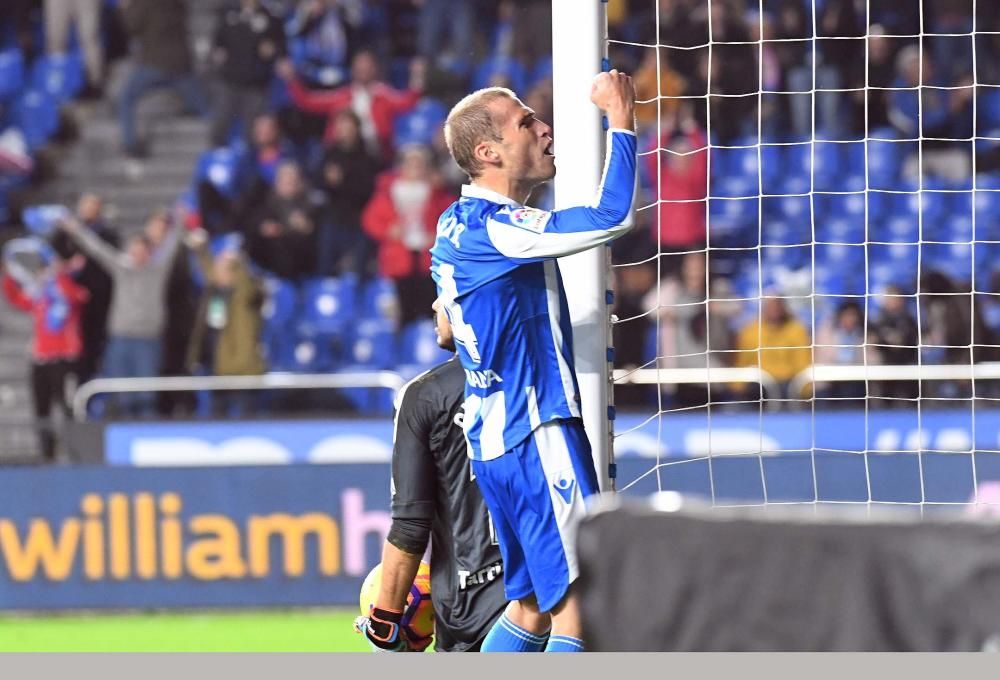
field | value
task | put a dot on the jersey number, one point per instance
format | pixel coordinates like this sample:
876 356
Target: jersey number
463 333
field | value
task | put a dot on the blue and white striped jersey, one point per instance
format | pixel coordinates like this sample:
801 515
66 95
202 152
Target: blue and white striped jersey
495 269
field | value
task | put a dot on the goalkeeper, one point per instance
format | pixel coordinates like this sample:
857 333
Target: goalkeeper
434 497
494 264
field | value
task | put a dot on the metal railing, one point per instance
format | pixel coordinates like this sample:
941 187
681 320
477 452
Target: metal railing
268 381
886 373
641 376
696 376
812 374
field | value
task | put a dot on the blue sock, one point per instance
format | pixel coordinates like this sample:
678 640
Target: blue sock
564 643
506 636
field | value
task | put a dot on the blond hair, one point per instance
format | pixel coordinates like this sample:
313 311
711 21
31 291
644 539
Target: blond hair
470 123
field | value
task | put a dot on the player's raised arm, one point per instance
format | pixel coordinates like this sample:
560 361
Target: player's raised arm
528 233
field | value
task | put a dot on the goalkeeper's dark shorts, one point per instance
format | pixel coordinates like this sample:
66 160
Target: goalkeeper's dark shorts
536 495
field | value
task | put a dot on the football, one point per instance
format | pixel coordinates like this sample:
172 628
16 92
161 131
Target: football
418 617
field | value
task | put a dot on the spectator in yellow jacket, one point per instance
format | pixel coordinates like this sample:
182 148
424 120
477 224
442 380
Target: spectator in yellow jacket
777 342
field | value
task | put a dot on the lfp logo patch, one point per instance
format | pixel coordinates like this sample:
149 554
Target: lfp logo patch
531 219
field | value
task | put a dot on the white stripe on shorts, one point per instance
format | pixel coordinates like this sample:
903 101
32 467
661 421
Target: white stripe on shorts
557 465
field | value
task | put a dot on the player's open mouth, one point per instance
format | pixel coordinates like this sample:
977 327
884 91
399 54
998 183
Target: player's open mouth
548 151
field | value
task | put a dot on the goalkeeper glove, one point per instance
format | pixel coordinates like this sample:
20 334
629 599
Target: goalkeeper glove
382 630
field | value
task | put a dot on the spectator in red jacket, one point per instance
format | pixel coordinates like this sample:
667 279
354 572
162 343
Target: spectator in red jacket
55 303
402 218
376 103
682 187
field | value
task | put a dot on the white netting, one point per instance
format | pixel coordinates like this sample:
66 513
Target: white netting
819 198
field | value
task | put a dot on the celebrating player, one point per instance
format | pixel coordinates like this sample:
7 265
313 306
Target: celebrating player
433 495
494 264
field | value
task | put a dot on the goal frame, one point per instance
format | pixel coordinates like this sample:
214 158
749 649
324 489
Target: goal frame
579 40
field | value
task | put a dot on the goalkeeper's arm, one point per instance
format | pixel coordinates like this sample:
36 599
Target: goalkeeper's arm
414 482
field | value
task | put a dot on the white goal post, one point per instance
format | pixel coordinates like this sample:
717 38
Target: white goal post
579 34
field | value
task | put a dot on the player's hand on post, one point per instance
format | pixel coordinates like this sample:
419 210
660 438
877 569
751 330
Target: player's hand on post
613 93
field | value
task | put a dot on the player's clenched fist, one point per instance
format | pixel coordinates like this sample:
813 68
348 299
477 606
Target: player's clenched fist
613 93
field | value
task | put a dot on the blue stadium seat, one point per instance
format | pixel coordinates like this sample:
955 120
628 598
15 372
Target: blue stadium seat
959 229
952 259
900 229
734 216
882 274
11 74
819 161
418 345
378 300
60 76
841 257
222 168
739 160
37 116
772 168
885 159
901 258
279 311
988 108
372 345
829 281
852 206
852 155
987 260
786 257
785 232
932 204
309 355
986 202
328 306
840 230
734 187
420 125
793 208
958 203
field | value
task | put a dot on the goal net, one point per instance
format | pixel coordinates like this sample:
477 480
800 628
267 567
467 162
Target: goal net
807 309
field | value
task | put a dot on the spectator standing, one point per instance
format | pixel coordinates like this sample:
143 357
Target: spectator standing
225 334
940 115
328 32
60 17
438 18
348 179
777 342
223 211
180 300
55 304
694 333
248 42
163 60
683 185
402 218
137 318
97 281
376 103
881 72
284 238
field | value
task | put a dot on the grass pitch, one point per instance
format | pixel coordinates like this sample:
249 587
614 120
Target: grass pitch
255 631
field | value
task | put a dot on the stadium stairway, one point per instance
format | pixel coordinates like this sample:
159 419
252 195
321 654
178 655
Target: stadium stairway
131 190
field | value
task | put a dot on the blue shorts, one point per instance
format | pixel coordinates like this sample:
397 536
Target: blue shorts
535 493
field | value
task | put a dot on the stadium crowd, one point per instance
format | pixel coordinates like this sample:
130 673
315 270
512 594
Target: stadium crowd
310 213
